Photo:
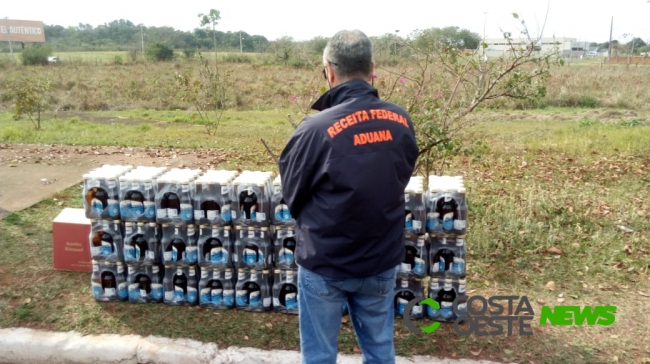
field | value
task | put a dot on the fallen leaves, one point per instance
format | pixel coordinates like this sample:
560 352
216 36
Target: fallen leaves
554 250
476 353
550 285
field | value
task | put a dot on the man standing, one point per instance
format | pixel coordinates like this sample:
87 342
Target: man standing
344 171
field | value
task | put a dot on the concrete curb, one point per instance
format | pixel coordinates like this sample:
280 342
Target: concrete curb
28 346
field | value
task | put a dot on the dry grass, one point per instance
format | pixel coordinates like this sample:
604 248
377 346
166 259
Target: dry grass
254 86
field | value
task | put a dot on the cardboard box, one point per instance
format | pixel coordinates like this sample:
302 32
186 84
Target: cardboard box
70 232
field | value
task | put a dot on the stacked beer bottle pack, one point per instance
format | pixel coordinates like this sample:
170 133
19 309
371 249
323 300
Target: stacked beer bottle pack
189 238
434 238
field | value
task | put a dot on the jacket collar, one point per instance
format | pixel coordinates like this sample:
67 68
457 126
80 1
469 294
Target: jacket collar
344 91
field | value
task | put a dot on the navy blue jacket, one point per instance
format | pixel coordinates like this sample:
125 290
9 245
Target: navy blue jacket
344 171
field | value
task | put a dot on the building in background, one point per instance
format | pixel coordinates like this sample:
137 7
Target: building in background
568 47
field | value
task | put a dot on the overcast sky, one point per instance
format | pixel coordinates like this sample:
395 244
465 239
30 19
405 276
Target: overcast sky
304 19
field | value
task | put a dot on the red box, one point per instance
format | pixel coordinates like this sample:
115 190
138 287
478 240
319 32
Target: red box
70 232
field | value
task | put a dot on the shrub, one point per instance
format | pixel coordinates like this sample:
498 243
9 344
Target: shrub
36 55
237 58
159 52
588 101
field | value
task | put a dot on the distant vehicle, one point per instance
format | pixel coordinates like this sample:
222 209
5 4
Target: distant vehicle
53 59
593 53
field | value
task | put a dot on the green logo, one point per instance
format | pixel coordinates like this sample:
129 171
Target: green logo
434 326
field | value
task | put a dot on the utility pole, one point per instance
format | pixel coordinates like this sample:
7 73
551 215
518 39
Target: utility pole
484 21
142 39
611 29
241 48
11 50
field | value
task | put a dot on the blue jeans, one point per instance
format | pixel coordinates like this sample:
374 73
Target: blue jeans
370 304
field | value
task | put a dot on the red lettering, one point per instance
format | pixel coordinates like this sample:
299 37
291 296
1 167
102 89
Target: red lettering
337 127
382 135
349 120
343 123
365 116
373 114
388 136
403 121
375 136
331 132
364 138
357 141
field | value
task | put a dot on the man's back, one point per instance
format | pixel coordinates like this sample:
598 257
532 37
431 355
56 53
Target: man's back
344 172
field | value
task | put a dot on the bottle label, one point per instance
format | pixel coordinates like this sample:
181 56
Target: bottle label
417 225
462 307
442 264
432 312
204 273
187 213
255 299
259 216
285 256
216 255
109 292
401 305
407 197
405 268
97 206
418 267
216 296
459 224
93 183
157 291
96 250
138 253
185 188
147 185
192 271
461 288
191 254
228 275
128 230
282 213
123 290
199 214
175 256
137 208
124 185
111 184
105 225
151 256
266 302
417 310
290 300
154 269
168 256
169 295
172 213
253 276
404 284
460 242
213 214
95 268
251 233
226 214
113 208
192 294
143 293
250 256
161 213
242 298
448 221
131 269
408 221
458 266
190 231
433 221
179 294
206 296
107 248
446 309
149 209
277 190
435 267
229 297
226 233
225 190
135 185
276 302
97 290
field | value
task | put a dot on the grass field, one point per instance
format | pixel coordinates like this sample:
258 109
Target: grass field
548 195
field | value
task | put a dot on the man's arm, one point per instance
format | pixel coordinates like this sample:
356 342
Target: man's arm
298 163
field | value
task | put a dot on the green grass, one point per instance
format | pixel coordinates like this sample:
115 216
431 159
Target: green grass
547 179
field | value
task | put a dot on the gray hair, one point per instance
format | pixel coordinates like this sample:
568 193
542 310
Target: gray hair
350 52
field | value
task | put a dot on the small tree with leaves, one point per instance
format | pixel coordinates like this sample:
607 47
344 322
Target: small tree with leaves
31 94
444 85
206 91
212 18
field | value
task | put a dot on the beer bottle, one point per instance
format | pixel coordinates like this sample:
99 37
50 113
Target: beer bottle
180 285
